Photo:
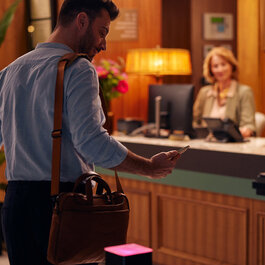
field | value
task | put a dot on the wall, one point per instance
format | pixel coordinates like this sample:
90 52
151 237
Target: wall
249 52
198 8
176 31
134 103
250 57
260 94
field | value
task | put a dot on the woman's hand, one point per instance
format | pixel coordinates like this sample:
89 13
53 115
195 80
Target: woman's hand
246 132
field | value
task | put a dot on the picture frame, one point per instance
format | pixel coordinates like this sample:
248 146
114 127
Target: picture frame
218 26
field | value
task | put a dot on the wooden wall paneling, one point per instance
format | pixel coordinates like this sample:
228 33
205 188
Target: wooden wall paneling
134 103
15 43
176 31
260 94
248 48
198 8
176 24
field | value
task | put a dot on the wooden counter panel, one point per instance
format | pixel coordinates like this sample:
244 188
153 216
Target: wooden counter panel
261 238
140 216
206 231
193 227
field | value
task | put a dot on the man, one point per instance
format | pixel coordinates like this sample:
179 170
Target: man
26 118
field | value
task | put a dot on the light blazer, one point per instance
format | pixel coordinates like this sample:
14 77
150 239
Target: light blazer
240 107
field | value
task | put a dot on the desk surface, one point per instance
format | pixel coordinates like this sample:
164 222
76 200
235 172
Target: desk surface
244 160
255 145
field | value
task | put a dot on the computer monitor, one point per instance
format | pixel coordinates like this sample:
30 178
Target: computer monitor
176 106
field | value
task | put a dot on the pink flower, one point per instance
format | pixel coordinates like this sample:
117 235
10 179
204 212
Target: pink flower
122 86
102 73
124 75
114 70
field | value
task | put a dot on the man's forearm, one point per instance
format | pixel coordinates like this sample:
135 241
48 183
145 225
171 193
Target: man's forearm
135 164
158 166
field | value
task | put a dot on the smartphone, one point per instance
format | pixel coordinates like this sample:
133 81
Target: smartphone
183 149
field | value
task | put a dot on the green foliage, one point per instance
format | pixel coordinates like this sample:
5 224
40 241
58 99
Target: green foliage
4 24
7 19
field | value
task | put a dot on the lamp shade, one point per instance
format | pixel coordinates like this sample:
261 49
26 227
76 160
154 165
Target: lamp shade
158 61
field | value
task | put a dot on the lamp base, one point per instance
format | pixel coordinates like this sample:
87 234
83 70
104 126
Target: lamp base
153 134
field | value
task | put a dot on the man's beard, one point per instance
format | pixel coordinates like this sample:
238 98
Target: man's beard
86 44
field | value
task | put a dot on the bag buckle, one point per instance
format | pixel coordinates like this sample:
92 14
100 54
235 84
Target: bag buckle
57 133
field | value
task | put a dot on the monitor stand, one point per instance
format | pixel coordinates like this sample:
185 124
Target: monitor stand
156 133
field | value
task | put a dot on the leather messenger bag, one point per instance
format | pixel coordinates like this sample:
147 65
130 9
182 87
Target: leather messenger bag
82 223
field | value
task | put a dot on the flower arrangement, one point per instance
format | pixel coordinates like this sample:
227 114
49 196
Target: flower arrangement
112 79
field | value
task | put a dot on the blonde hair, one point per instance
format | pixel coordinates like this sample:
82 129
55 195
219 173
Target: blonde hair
227 55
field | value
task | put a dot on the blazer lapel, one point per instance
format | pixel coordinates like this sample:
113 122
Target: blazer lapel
208 106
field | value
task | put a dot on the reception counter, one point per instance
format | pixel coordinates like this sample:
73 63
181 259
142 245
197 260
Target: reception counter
228 168
244 160
206 211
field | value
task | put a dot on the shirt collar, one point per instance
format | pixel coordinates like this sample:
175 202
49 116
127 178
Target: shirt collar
54 45
232 89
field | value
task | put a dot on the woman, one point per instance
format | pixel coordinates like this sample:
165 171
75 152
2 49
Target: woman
225 97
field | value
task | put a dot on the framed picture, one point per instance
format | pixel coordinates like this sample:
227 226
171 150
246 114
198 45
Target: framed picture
207 48
125 27
218 26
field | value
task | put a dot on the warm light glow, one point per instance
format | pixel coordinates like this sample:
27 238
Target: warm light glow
31 29
158 62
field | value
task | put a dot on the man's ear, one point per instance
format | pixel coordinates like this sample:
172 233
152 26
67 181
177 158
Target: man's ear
82 21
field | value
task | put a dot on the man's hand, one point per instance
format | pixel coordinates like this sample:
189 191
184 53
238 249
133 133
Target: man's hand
162 164
158 166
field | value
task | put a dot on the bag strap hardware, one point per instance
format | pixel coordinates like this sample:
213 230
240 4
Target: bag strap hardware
57 133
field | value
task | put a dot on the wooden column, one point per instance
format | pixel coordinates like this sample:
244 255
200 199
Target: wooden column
248 52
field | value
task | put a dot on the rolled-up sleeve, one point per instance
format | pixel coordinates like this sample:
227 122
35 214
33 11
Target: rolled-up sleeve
86 119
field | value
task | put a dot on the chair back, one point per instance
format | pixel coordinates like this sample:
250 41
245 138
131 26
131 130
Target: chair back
260 123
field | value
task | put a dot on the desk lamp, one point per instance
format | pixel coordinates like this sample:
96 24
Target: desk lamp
158 62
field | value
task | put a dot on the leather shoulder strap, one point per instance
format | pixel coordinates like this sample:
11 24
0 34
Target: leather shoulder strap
64 62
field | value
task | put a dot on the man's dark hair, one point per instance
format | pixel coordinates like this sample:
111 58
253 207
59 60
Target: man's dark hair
71 8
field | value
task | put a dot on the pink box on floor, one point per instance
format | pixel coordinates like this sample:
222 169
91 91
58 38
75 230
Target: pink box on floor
128 254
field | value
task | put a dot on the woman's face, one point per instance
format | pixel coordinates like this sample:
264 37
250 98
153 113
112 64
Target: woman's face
221 69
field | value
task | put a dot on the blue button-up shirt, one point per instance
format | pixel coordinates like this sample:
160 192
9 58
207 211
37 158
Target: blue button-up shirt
27 89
